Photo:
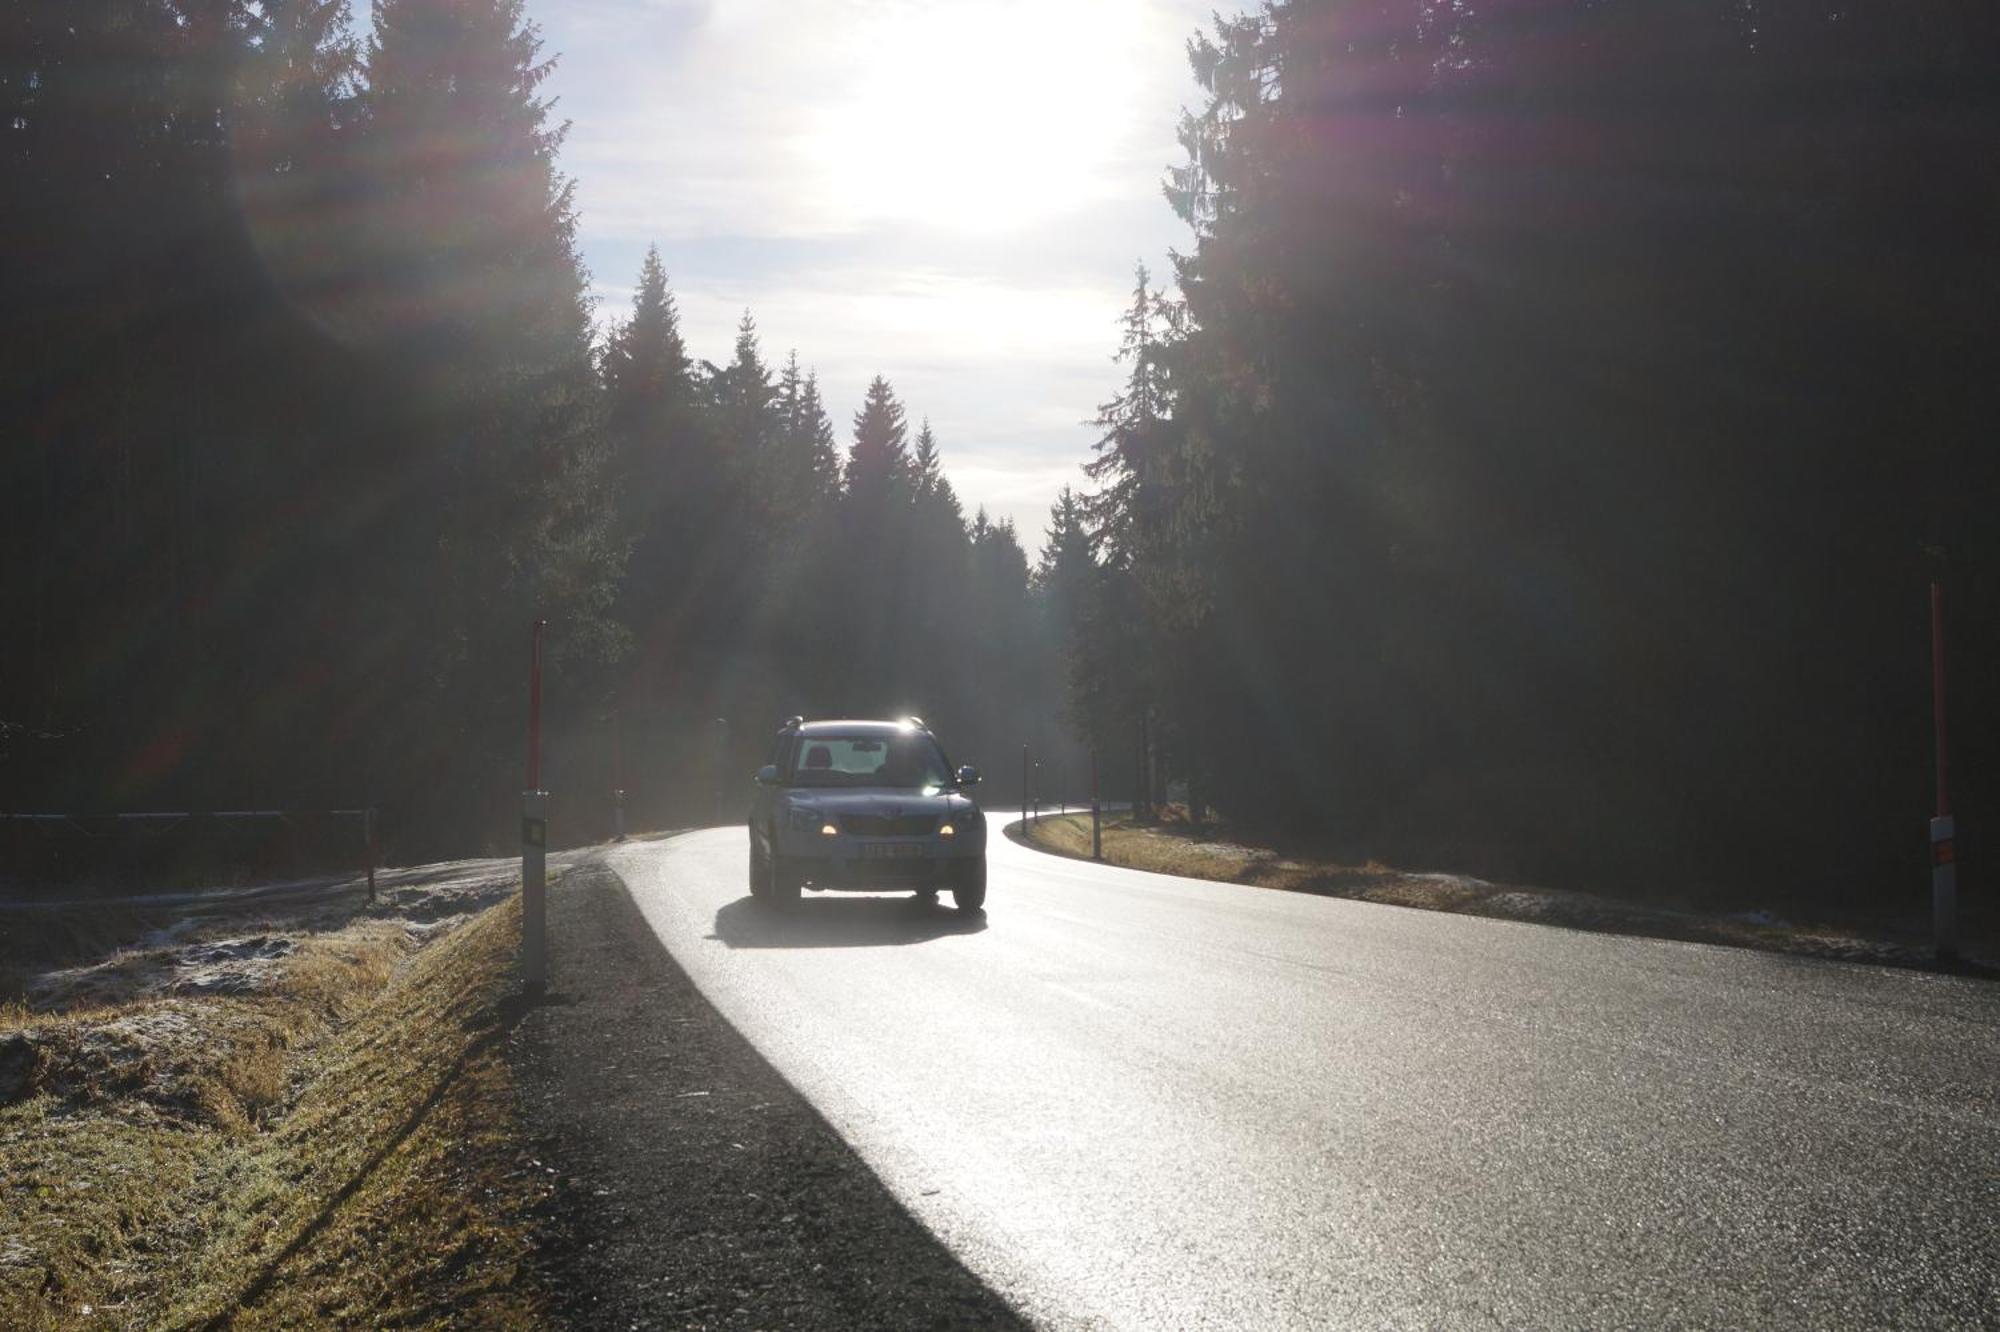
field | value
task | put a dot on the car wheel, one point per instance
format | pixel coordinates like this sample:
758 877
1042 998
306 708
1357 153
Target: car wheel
968 889
781 884
759 872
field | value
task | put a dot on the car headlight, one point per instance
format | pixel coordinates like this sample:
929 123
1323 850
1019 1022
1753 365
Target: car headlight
803 820
946 830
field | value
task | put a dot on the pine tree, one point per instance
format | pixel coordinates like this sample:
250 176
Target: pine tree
664 474
745 402
483 306
1067 554
925 475
936 541
816 427
645 362
878 460
476 227
792 474
791 396
1126 466
297 174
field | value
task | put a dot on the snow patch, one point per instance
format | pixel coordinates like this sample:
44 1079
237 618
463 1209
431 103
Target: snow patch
1458 881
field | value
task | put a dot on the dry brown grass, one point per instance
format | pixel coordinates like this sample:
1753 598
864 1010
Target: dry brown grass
336 1151
1187 852
35 939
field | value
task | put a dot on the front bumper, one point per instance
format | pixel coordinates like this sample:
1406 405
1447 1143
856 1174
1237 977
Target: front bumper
852 872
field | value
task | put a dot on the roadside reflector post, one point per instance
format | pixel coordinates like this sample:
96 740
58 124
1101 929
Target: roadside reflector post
1024 783
617 780
534 837
1038 790
368 847
1096 814
1944 831
534 888
721 768
1944 888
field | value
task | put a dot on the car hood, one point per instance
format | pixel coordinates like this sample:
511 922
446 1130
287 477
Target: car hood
877 800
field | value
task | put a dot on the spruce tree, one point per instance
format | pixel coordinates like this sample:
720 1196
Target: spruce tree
792 468
297 173
816 427
1131 424
484 312
645 361
878 461
745 403
927 478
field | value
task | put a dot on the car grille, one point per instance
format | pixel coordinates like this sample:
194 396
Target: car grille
884 825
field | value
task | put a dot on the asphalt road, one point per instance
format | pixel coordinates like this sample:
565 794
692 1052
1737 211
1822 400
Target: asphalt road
1135 1101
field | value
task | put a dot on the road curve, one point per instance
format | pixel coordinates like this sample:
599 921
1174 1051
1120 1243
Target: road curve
1136 1101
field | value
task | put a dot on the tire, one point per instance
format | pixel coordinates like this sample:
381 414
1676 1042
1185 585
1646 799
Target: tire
781 883
760 873
968 888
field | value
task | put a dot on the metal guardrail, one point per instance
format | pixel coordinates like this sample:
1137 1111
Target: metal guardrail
163 847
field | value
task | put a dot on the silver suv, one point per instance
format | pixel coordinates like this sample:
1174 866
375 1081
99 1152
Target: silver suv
865 805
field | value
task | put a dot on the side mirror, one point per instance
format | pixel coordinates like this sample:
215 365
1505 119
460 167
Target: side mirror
767 775
968 776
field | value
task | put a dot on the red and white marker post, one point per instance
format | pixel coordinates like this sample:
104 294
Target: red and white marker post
535 836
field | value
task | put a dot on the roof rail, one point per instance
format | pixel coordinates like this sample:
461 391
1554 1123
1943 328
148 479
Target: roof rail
793 723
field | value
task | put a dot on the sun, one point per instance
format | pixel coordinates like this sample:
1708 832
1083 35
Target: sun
976 115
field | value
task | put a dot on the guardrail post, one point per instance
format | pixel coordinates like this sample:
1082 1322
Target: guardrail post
369 848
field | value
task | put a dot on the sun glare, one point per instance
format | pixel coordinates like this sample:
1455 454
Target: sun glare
978 115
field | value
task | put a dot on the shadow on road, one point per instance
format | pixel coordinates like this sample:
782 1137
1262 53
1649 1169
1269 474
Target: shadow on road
849 922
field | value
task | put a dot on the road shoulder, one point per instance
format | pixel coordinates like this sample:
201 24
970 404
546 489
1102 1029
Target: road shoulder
1182 853
693 1185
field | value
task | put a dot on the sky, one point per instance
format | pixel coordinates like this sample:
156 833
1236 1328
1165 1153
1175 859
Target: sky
951 193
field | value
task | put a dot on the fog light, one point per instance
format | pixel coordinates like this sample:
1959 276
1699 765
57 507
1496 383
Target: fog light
947 830
828 830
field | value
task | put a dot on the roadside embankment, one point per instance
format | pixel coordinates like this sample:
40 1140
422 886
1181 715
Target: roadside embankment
241 1118
694 1187
1204 853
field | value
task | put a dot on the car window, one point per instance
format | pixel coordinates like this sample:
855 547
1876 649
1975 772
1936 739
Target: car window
898 760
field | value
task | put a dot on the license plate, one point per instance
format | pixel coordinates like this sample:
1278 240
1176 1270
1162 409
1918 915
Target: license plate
891 850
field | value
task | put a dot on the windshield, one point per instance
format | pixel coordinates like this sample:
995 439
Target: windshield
905 759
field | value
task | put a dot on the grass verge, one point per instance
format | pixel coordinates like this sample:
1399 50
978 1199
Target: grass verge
1201 853
338 1149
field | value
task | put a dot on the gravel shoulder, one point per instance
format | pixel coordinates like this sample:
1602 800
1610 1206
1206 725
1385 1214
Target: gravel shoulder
693 1187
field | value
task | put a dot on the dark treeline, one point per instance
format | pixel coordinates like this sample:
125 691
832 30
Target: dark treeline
1535 466
774 571
304 423
1562 410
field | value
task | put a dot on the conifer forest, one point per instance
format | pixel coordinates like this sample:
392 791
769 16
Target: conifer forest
1535 462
